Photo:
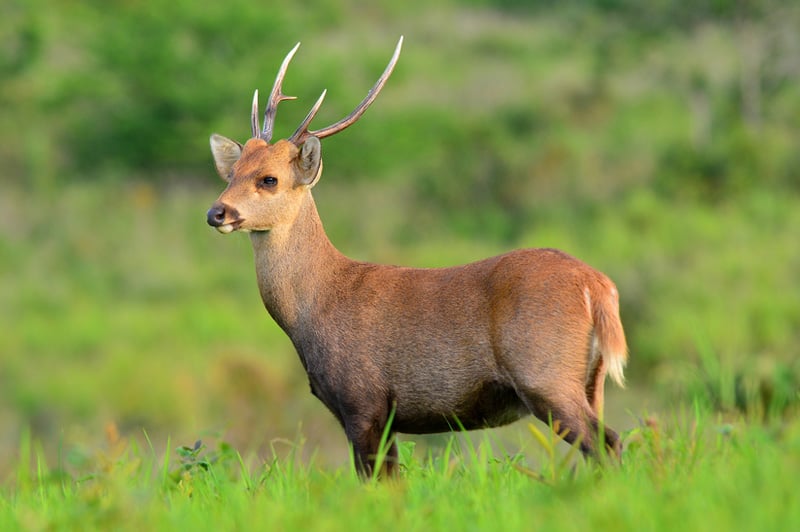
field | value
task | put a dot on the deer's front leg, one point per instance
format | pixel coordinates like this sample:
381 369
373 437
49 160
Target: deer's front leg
364 434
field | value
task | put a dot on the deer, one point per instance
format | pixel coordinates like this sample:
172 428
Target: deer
393 349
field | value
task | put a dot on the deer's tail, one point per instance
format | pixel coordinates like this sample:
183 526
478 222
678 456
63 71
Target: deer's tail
609 338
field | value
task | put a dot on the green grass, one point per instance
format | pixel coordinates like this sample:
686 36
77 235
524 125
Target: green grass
689 472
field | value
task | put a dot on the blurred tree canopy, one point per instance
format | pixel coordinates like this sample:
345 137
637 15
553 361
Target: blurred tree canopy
699 99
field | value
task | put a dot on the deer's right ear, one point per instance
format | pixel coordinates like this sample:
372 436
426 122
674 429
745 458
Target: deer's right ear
309 162
226 152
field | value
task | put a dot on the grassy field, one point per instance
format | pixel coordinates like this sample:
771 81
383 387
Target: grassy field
690 472
659 147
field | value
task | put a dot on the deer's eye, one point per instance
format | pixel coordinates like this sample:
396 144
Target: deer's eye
267 182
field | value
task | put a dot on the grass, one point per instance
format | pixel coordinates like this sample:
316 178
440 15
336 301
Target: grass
692 471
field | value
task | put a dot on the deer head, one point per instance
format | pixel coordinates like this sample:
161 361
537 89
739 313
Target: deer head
266 181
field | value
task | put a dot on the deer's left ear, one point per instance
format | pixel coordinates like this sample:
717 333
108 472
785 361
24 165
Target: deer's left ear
309 162
226 152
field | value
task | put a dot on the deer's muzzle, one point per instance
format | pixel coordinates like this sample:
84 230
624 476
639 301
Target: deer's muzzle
223 217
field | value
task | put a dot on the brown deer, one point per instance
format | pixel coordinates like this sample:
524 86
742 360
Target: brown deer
532 331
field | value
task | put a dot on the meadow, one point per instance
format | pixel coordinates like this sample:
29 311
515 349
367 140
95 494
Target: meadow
692 473
660 147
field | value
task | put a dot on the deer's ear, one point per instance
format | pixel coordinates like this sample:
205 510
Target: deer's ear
226 152
309 162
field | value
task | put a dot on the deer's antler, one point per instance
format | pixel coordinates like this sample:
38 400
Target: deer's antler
275 97
302 132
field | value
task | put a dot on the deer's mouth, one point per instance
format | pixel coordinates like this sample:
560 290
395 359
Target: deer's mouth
230 227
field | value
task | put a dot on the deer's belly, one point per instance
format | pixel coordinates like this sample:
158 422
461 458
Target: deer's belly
489 405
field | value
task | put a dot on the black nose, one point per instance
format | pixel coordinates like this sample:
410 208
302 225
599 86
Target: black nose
216 215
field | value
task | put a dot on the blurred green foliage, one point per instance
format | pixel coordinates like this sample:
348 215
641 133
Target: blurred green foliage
657 141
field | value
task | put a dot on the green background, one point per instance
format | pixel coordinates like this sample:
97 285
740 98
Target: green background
658 142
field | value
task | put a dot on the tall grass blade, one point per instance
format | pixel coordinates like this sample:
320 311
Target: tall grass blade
542 440
384 445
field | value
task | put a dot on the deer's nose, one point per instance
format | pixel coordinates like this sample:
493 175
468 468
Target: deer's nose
216 215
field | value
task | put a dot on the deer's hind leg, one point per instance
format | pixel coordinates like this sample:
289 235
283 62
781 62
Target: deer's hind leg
571 420
595 386
554 388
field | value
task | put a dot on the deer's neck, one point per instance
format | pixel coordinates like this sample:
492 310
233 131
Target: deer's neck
295 265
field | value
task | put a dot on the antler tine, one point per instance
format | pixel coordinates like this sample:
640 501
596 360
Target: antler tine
254 115
302 133
276 97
